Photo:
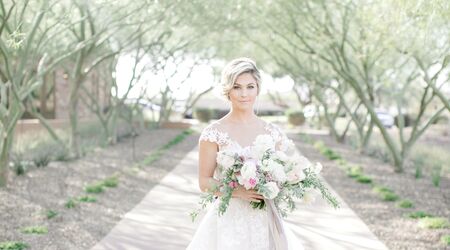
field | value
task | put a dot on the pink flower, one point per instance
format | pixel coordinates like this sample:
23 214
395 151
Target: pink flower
252 182
233 184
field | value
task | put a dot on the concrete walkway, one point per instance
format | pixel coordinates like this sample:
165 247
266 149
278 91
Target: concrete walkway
162 221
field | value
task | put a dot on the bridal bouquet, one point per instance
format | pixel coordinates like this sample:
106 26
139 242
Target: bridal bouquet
279 175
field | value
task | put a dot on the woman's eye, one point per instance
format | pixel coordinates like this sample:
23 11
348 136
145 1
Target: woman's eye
235 87
251 87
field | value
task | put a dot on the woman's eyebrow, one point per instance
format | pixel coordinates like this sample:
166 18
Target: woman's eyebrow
244 84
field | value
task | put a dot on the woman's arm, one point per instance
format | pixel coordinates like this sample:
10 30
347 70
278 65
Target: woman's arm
207 164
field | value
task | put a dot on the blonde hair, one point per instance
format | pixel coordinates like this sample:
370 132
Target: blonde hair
235 68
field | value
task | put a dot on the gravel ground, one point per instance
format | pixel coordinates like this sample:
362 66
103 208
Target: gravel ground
27 198
383 218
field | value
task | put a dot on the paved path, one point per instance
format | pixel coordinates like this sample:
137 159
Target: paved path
161 220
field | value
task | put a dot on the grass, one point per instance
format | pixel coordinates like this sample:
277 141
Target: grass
51 214
13 245
110 181
155 155
418 215
433 222
71 203
445 239
354 171
35 230
385 193
364 179
405 204
87 198
94 188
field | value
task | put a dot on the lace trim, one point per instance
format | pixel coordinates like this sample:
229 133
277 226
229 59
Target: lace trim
212 134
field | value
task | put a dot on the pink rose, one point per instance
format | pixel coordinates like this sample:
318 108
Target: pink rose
252 182
233 184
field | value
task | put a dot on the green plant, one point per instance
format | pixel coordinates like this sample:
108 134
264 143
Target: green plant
433 222
354 171
385 193
35 230
94 188
389 196
418 214
444 239
42 155
295 117
418 162
110 182
51 214
203 114
87 198
13 245
155 155
330 154
62 154
364 179
319 145
71 203
436 174
405 204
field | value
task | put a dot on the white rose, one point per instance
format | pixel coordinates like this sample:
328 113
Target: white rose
288 146
272 190
258 151
281 155
295 175
264 141
317 168
301 161
268 165
278 173
225 159
248 170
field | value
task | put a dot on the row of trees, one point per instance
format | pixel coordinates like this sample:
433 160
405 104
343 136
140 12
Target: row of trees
350 57
82 38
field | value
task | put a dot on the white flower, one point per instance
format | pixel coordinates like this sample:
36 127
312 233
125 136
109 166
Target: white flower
281 155
258 151
265 141
302 161
317 168
278 173
309 196
295 175
272 190
248 170
268 165
288 146
225 159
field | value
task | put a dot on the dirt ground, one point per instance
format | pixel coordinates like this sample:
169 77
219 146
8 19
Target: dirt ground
385 220
27 199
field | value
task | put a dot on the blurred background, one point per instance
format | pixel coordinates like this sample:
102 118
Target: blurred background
78 75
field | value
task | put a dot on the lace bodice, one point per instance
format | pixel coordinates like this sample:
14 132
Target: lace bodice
213 134
241 227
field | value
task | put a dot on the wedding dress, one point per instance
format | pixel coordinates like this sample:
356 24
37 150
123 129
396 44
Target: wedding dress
241 226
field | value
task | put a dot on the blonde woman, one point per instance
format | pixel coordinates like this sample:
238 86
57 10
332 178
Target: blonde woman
241 226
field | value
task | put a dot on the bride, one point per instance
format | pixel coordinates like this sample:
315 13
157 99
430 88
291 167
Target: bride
241 226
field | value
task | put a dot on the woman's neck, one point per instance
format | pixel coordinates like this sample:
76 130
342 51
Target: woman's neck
241 116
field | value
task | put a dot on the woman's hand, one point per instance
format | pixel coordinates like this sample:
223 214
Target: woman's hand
248 195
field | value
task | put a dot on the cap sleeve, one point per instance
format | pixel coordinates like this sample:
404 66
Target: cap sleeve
212 134
209 134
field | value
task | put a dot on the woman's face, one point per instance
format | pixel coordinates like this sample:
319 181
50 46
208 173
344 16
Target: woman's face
244 91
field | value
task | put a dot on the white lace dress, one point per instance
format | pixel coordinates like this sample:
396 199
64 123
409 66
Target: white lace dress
241 226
